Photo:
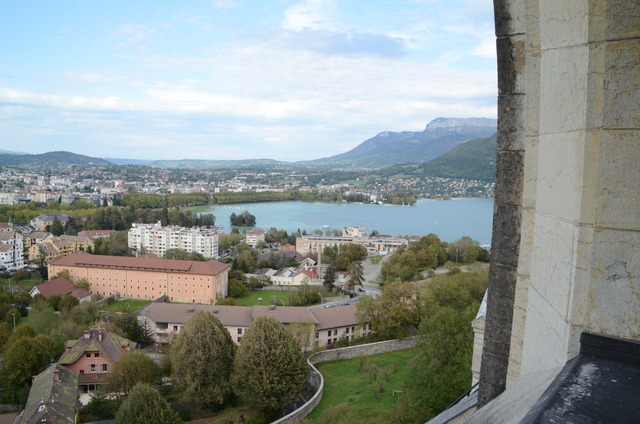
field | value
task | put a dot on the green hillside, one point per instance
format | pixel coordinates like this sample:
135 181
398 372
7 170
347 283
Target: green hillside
49 159
475 159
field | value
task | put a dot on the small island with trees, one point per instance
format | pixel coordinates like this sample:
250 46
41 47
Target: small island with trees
245 219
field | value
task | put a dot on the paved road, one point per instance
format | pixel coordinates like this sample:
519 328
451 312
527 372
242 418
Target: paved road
372 273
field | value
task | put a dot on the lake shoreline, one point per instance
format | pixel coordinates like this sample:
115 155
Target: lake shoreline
450 219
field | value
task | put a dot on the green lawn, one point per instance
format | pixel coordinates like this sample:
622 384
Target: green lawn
131 305
376 259
251 298
361 389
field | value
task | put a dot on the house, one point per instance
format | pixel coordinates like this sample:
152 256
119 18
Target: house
335 323
255 236
42 221
147 277
329 324
93 355
60 287
36 237
54 247
53 397
96 234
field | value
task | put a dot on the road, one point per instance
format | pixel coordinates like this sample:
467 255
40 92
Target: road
372 273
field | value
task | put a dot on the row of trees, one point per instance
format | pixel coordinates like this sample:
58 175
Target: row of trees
267 370
106 218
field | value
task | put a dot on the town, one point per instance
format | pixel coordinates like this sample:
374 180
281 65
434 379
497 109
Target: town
310 284
101 184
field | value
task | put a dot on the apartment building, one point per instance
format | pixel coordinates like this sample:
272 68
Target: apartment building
376 245
147 277
156 239
323 326
255 236
11 250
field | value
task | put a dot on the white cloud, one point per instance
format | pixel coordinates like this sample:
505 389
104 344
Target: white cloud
309 14
487 48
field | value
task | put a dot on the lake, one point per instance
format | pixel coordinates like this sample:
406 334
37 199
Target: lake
449 219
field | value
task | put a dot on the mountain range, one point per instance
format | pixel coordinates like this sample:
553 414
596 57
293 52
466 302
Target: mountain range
390 148
447 147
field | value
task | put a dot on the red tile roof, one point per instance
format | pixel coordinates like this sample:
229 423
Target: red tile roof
83 259
60 287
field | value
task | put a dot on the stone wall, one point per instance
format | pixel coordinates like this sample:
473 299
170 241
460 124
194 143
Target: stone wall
567 184
363 350
316 380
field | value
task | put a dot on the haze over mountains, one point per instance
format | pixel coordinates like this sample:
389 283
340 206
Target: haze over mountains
447 147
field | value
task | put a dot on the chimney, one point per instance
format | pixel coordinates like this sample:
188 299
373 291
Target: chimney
56 374
100 334
87 334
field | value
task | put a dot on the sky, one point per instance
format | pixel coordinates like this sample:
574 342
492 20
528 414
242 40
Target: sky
232 79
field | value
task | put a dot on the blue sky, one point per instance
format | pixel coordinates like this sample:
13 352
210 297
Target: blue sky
232 79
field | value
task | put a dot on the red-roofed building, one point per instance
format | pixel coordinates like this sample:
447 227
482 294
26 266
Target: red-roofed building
147 277
60 287
93 355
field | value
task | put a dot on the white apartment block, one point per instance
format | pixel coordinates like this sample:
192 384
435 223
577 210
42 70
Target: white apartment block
255 236
11 250
156 239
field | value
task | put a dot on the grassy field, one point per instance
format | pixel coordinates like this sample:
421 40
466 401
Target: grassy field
252 297
7 283
361 390
202 208
131 305
376 259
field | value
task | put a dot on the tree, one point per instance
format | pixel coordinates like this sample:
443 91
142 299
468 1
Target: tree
245 219
43 318
128 326
184 255
84 284
131 369
396 314
57 228
329 278
145 405
356 274
442 368
24 358
63 273
67 303
202 359
236 288
269 368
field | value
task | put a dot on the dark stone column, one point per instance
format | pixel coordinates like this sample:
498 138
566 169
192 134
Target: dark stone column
508 202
